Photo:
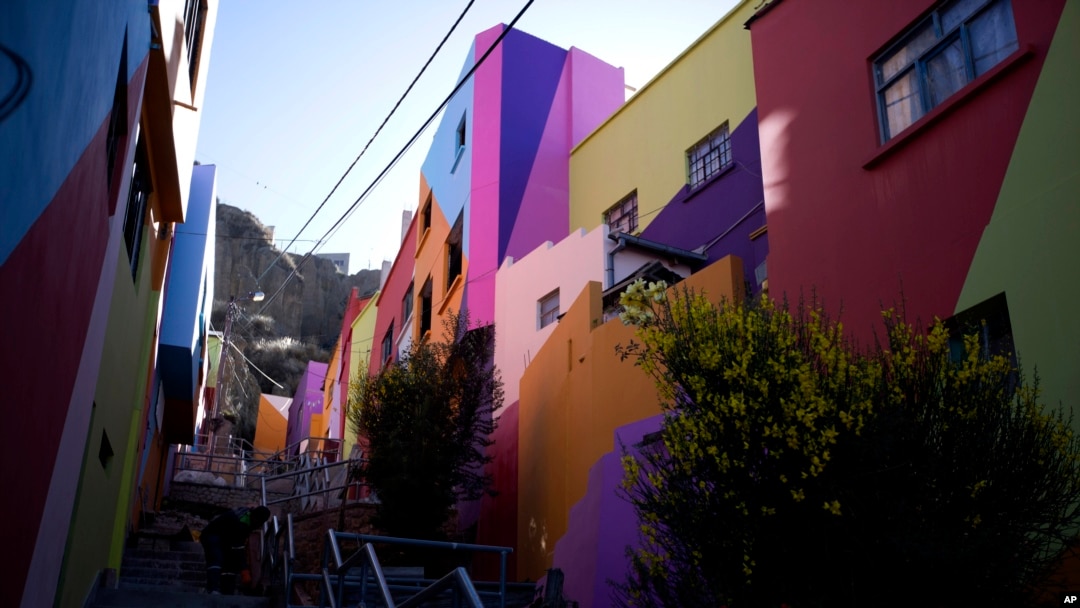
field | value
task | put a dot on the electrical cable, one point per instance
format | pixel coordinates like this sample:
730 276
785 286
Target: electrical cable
376 134
397 157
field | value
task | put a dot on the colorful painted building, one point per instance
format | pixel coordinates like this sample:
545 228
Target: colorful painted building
270 429
574 395
927 152
689 204
495 181
307 404
97 135
697 184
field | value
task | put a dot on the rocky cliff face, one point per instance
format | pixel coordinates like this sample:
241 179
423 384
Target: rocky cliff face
311 304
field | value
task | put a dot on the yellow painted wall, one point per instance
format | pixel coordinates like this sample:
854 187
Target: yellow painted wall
574 394
643 145
363 334
103 502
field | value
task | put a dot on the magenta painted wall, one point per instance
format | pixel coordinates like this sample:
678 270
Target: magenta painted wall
483 252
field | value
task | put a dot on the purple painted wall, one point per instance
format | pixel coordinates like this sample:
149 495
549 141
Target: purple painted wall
307 400
601 525
721 214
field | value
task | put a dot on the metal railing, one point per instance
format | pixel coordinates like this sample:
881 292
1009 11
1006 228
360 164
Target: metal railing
457 580
317 486
241 465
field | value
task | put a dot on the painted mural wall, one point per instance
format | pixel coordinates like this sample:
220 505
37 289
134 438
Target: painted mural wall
88 81
975 198
307 404
270 429
709 86
574 394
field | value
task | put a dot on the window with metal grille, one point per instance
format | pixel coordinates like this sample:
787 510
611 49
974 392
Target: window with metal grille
194 19
957 42
709 156
623 216
548 308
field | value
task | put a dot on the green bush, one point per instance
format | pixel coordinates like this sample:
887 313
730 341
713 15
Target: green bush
427 419
794 469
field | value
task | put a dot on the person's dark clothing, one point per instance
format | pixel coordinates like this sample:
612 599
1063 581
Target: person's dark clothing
222 537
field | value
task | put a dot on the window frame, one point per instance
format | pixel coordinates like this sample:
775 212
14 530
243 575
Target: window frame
387 347
723 151
618 207
551 315
407 305
918 65
460 140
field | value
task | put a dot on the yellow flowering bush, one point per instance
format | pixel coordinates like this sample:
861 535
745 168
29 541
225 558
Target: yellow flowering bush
791 465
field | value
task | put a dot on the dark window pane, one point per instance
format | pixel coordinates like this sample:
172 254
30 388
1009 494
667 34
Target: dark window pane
908 51
955 13
993 36
946 73
902 105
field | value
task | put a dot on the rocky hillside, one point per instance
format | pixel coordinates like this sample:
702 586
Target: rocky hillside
281 334
312 303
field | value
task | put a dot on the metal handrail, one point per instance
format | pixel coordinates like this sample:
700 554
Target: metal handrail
457 580
434 544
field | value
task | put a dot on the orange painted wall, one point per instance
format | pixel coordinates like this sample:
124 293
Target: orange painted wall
270 428
574 394
431 261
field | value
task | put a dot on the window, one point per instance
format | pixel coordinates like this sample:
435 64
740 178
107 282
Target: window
425 308
388 344
453 252
623 216
459 144
953 45
118 117
548 309
194 19
989 320
138 197
709 156
425 216
407 304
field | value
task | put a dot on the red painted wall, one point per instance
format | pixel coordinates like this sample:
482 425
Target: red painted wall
498 514
397 282
911 222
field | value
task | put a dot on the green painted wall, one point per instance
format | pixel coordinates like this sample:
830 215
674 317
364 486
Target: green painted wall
102 506
1031 248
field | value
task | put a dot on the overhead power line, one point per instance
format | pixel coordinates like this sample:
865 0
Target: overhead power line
397 157
376 134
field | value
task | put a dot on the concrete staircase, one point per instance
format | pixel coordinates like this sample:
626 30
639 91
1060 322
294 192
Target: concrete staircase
164 568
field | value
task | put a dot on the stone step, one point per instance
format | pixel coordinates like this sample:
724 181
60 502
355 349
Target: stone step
163 574
135 596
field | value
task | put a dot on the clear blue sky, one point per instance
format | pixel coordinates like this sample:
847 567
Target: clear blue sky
295 90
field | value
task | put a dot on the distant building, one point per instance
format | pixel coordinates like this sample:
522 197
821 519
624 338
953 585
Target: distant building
341 260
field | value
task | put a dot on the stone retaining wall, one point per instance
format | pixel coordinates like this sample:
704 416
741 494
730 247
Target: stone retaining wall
221 496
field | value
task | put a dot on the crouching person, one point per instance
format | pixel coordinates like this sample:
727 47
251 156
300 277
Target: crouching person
224 542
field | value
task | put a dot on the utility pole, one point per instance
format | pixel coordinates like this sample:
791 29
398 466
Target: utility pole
231 310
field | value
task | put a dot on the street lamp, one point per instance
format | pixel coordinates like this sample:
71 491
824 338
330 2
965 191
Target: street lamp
231 310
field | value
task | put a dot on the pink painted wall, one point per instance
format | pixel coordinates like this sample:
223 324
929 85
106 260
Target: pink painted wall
567 266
